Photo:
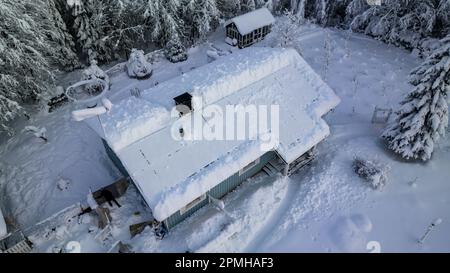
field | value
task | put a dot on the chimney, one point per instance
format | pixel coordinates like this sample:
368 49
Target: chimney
183 103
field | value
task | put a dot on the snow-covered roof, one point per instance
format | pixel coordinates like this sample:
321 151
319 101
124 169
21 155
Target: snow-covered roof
171 173
250 21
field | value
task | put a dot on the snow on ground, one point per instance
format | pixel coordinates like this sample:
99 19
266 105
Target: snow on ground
333 211
31 169
323 208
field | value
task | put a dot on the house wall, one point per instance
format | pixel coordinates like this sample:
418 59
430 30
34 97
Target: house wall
112 155
221 189
248 39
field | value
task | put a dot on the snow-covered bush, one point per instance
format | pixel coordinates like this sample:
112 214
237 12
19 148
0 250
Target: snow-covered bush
423 116
137 65
135 92
175 51
37 132
91 73
372 172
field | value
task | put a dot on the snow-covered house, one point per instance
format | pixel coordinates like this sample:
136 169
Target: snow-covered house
177 176
249 28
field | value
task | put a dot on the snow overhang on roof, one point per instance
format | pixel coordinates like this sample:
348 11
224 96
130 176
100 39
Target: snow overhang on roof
250 21
171 173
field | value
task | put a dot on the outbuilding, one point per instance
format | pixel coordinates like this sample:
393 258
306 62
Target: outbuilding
249 28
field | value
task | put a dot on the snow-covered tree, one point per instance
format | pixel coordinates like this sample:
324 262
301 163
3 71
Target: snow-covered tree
88 21
25 73
175 50
125 26
405 22
137 65
248 5
162 17
58 33
323 12
200 16
298 8
229 8
423 116
355 8
269 4
285 31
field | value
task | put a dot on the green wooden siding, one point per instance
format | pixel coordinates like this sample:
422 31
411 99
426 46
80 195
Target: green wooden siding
221 189
217 192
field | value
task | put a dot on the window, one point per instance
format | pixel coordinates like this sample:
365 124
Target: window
192 204
249 166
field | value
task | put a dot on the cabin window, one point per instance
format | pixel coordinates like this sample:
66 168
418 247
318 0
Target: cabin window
249 166
192 204
247 38
258 33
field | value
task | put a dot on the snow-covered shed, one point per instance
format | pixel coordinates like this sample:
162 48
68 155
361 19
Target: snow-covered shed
177 176
249 28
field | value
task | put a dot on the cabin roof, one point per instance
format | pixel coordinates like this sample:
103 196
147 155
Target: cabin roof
170 173
248 22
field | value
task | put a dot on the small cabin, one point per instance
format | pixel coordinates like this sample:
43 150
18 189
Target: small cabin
249 28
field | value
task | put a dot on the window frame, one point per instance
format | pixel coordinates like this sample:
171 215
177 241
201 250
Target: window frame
249 166
192 204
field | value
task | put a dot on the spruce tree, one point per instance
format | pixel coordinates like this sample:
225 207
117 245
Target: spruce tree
87 24
163 19
201 16
67 59
423 116
25 73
